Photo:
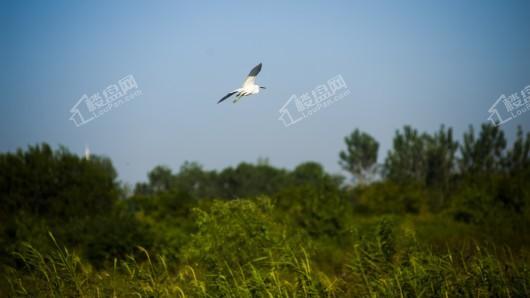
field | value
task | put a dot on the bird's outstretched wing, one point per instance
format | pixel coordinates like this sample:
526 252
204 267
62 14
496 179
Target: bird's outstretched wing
227 96
251 78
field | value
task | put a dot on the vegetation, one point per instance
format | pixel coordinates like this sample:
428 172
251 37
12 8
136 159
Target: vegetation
435 219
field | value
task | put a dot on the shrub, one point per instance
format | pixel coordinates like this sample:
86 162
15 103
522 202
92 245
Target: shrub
392 198
235 233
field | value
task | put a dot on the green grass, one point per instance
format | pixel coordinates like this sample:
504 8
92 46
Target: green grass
377 268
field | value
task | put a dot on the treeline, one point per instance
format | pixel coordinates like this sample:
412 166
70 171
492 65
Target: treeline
422 171
435 172
429 191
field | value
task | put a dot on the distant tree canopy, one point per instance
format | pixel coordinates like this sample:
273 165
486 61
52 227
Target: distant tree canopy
57 183
360 157
245 180
433 159
438 163
480 181
407 159
74 197
428 159
484 153
440 157
518 157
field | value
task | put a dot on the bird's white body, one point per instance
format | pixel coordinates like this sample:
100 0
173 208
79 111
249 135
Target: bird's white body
249 86
246 90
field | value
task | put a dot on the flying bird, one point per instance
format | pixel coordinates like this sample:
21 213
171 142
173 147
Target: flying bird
249 86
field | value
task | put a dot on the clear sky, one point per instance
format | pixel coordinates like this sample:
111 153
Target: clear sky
422 63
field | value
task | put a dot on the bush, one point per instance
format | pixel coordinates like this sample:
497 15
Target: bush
236 233
392 198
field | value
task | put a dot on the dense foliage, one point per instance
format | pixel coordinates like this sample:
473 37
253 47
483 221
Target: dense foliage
436 218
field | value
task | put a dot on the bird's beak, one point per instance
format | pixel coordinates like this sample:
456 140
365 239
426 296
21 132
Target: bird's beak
262 87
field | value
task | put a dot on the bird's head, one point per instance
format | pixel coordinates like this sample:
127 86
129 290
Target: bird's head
261 87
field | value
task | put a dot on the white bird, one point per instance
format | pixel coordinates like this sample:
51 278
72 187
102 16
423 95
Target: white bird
249 86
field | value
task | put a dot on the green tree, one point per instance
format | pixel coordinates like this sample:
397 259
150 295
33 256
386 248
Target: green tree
424 158
248 180
360 156
56 183
196 181
440 158
518 157
408 159
482 154
42 190
160 179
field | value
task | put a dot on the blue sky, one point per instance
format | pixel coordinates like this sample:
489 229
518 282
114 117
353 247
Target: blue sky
422 63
